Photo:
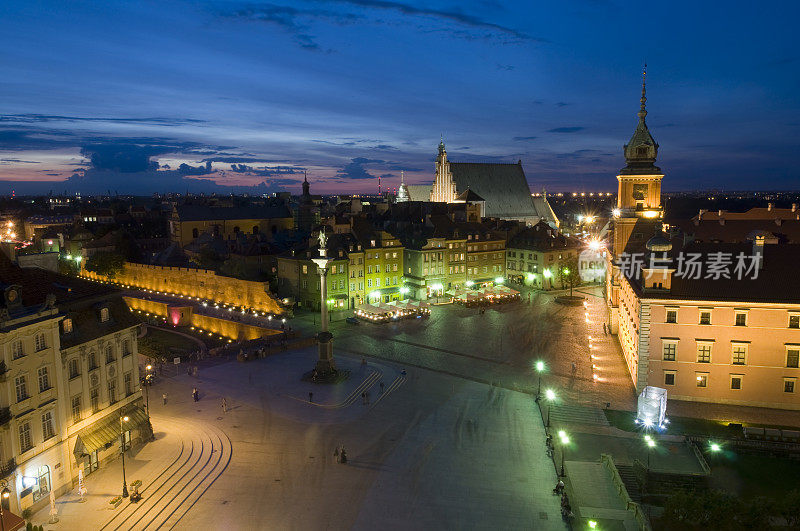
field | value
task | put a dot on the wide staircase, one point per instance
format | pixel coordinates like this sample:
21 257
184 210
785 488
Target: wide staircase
628 477
570 414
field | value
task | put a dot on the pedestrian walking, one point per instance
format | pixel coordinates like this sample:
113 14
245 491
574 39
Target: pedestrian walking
381 387
364 398
343 456
310 397
336 454
224 405
367 397
164 398
195 394
574 368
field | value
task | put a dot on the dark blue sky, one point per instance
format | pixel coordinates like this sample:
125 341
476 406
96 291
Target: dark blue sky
170 96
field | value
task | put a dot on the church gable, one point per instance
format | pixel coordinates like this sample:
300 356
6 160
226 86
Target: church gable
503 187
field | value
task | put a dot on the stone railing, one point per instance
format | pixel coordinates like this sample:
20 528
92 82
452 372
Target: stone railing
631 506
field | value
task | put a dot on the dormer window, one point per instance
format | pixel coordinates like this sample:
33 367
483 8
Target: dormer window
103 315
66 325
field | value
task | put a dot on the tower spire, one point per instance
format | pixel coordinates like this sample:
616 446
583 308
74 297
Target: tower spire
402 177
643 100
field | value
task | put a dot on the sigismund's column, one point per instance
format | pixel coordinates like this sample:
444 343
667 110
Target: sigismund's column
325 365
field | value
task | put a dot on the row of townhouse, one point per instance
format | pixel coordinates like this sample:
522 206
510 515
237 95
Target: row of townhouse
68 354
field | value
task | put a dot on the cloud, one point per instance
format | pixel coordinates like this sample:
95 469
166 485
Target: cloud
562 104
290 19
44 118
239 160
566 129
524 138
186 169
18 161
267 171
450 16
356 170
505 67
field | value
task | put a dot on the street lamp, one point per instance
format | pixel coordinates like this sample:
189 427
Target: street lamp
550 395
5 496
715 447
650 445
539 369
148 368
122 449
564 442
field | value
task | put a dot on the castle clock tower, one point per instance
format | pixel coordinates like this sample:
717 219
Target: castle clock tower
639 211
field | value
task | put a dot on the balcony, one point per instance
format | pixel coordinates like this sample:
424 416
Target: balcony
8 467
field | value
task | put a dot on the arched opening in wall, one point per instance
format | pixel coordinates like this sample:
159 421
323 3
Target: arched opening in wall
274 229
255 229
236 230
195 233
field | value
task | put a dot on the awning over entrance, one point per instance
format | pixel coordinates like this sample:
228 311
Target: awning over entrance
12 522
106 430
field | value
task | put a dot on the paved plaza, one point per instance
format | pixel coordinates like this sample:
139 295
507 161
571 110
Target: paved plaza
432 451
437 417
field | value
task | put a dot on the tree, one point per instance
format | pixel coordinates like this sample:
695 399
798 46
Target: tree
789 508
106 264
568 272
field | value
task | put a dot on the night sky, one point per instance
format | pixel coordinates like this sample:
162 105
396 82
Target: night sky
232 96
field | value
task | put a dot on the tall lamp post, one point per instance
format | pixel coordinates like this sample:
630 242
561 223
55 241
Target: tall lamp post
550 395
6 494
146 388
122 420
564 442
540 370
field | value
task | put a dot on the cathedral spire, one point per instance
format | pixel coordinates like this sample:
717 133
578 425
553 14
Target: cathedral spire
441 145
642 149
402 177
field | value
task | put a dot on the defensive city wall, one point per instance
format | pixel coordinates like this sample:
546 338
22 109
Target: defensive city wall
184 316
190 282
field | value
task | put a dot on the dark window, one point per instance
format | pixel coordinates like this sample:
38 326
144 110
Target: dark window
792 358
741 319
788 386
736 382
669 378
195 233
794 321
669 351
672 316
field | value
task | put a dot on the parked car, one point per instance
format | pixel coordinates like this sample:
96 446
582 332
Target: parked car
352 320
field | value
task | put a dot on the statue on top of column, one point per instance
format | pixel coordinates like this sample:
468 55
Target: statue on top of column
323 239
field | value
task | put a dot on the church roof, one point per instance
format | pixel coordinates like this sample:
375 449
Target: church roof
419 192
503 187
469 195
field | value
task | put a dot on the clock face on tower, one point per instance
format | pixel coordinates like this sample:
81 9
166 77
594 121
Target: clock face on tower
639 192
11 295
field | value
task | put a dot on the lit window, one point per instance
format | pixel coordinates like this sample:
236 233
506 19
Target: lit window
67 325
103 315
702 379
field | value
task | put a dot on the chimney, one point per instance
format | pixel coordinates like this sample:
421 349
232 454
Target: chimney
769 207
719 213
700 215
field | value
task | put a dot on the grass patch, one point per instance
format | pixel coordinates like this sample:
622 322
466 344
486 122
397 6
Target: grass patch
158 343
750 476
